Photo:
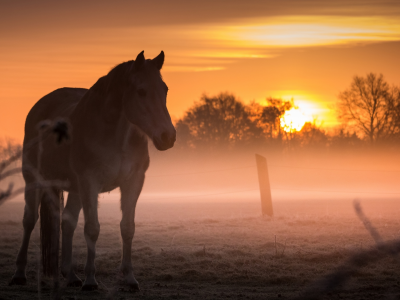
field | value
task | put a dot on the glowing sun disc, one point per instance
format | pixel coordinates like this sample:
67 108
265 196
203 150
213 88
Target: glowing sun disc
293 120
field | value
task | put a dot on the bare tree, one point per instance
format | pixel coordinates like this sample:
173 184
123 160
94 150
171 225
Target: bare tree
10 153
369 106
9 149
395 130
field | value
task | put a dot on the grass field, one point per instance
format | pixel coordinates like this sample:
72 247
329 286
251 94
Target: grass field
220 250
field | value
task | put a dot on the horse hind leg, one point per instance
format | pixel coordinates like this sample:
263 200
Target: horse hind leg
30 218
88 192
50 231
69 221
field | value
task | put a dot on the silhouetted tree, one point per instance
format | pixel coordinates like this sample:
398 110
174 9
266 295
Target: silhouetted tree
220 120
395 132
345 140
369 106
10 154
311 136
268 117
9 148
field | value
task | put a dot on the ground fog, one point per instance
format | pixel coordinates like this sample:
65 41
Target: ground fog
200 233
221 250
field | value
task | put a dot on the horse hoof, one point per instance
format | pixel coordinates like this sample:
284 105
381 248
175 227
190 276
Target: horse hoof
90 287
131 283
17 281
134 287
75 283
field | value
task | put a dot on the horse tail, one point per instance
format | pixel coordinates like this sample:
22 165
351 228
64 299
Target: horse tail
50 211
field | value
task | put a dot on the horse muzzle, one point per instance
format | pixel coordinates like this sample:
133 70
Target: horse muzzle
165 140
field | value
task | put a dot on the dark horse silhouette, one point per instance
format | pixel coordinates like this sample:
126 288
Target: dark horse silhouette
108 149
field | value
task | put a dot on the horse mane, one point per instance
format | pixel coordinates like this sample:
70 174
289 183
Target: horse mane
121 69
115 79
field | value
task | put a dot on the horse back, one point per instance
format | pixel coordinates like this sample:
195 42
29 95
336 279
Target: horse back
57 104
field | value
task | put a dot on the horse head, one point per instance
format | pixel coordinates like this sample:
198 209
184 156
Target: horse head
145 101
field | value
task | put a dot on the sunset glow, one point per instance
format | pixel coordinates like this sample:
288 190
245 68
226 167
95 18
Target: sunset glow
290 50
294 120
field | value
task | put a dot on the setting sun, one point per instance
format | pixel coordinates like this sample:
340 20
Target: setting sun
294 120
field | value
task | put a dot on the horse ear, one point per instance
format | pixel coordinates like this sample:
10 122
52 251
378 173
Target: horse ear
159 60
139 61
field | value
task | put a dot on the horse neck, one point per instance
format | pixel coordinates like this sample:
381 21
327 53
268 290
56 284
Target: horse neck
102 106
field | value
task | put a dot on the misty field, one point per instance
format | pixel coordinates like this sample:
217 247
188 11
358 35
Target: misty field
220 249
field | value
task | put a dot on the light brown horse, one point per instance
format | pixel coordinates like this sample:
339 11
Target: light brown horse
110 125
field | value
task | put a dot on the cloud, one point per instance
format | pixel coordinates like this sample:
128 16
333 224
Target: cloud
29 16
305 31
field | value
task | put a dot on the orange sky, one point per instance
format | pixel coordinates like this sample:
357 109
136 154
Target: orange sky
305 50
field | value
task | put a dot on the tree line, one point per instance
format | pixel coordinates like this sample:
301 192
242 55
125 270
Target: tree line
368 112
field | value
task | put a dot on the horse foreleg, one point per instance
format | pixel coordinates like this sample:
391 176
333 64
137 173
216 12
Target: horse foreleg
30 218
69 221
130 192
88 192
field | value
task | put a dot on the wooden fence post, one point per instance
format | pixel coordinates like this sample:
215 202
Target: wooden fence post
265 189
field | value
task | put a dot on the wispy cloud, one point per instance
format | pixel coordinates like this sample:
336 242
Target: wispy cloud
305 31
191 69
